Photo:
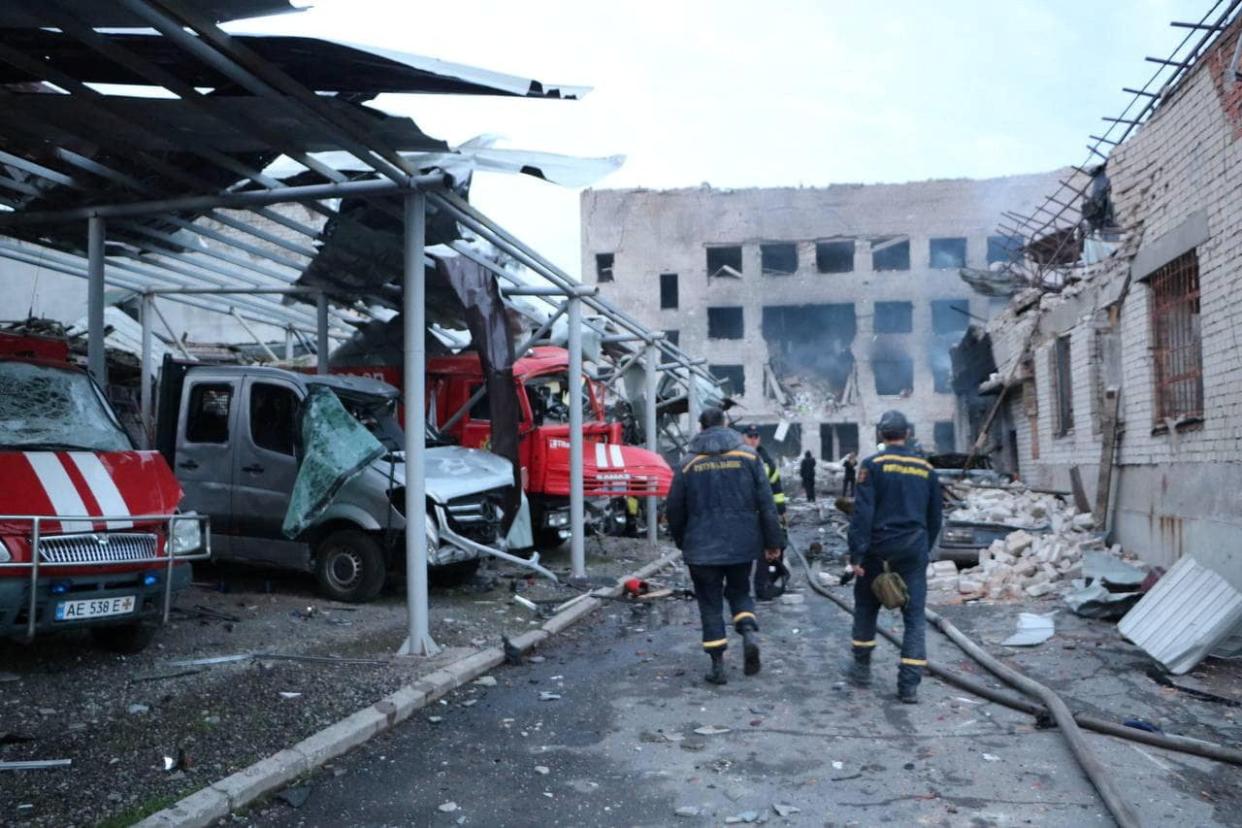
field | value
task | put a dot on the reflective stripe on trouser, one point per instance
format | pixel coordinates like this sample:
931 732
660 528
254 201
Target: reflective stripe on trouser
913 570
713 585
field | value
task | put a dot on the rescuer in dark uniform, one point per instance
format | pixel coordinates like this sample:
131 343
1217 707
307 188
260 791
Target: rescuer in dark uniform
763 582
721 514
897 515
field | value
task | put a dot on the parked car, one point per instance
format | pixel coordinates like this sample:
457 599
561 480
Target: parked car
90 535
961 540
232 435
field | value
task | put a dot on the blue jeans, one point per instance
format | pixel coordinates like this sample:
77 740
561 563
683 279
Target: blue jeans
913 570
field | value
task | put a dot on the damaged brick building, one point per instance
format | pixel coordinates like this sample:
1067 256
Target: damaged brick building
1146 326
821 306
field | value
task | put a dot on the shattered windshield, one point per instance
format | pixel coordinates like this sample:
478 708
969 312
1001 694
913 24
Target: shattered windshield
549 399
46 408
379 416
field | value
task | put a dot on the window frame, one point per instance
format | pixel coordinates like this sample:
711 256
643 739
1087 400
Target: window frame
195 405
741 320
1176 345
664 290
601 269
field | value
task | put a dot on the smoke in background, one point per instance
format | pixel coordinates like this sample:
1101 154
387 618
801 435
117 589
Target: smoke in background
812 341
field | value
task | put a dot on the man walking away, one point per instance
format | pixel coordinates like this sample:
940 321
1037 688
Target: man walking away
807 469
851 470
721 513
763 581
897 514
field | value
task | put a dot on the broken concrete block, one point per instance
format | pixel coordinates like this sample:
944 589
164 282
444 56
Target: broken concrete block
1025 568
969 584
1083 520
1004 558
941 568
1039 590
1018 542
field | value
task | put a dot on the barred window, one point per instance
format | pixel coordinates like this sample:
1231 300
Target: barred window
1062 385
1176 340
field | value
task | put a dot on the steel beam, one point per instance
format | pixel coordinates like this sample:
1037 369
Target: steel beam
321 331
414 311
148 322
577 522
652 435
96 357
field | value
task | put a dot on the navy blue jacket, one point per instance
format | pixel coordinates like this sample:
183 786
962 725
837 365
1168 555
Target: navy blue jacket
720 507
897 508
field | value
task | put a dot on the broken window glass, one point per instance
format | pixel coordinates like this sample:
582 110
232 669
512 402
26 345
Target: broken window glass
724 261
894 317
894 375
944 435
834 256
336 448
724 323
733 375
46 407
207 420
668 291
1004 249
950 315
549 398
779 258
603 266
273 409
947 253
890 253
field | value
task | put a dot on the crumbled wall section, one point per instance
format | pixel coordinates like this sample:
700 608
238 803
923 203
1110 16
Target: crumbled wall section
668 231
1176 493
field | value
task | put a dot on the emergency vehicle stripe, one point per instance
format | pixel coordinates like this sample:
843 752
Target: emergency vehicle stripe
103 487
601 456
59 489
614 452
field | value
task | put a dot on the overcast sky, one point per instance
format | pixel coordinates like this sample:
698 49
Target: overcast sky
791 92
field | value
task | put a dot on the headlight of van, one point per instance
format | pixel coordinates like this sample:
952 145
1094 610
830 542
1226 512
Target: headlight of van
187 534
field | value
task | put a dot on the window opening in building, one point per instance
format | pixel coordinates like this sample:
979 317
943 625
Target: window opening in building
791 446
810 345
724 261
894 374
273 409
1062 385
733 375
1176 340
778 258
944 435
603 266
890 253
950 315
837 440
941 364
1004 249
207 421
834 256
894 317
668 291
724 323
673 337
947 253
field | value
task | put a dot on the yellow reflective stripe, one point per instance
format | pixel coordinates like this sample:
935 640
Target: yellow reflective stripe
779 497
900 458
915 662
742 615
711 645
740 453
870 643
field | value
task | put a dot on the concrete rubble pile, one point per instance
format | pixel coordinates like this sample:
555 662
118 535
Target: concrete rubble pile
1043 556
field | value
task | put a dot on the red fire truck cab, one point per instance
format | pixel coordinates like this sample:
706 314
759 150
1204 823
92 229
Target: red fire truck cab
89 530
611 471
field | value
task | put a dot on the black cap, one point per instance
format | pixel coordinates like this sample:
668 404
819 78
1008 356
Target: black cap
894 424
751 430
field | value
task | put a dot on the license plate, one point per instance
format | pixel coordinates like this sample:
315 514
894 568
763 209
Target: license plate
94 608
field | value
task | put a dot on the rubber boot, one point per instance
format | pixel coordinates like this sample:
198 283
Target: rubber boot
750 651
858 671
717 673
908 679
908 695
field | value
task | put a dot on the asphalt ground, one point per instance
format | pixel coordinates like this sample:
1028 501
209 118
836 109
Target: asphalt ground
631 735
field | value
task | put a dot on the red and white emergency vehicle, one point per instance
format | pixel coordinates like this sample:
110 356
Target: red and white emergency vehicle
90 535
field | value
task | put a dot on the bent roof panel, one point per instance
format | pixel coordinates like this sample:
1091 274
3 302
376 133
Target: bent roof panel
101 15
321 64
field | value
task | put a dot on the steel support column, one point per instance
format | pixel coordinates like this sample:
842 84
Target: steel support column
577 523
414 315
653 438
148 414
321 329
96 357
693 403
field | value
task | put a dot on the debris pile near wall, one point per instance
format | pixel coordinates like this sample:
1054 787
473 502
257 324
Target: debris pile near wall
1044 553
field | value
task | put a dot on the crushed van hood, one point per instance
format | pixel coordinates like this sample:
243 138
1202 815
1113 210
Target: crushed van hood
453 471
117 484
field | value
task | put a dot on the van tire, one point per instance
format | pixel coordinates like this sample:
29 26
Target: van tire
454 574
548 540
350 566
124 639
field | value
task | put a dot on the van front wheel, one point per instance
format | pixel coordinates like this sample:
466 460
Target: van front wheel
350 566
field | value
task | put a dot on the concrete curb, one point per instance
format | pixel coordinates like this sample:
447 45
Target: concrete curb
221 798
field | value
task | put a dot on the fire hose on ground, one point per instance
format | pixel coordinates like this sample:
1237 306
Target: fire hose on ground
1048 707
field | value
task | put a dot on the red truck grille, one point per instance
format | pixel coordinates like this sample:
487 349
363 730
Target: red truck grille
110 547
